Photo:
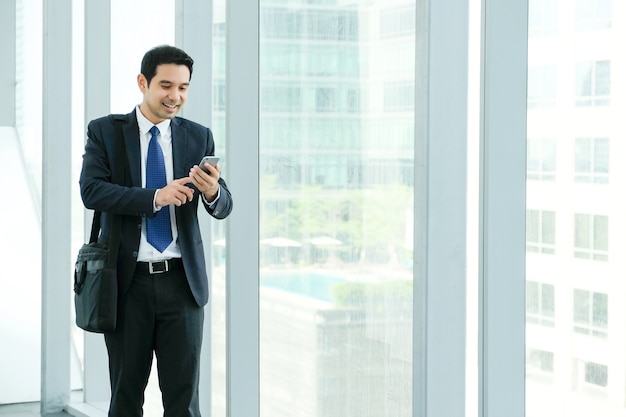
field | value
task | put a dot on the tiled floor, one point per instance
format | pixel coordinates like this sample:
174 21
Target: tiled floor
25 410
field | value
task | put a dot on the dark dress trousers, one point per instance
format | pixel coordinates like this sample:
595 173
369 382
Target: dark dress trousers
161 313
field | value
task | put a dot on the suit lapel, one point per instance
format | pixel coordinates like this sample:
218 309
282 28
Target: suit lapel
179 148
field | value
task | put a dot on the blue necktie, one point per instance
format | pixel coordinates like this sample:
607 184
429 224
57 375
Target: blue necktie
158 228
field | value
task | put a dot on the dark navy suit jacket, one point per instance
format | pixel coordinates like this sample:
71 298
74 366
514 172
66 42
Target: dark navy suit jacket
190 142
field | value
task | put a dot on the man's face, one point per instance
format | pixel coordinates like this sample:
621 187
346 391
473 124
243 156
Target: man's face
166 94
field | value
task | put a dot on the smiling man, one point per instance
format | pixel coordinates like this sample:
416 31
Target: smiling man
161 271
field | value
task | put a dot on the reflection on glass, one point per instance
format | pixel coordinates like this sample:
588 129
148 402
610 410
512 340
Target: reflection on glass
575 315
336 175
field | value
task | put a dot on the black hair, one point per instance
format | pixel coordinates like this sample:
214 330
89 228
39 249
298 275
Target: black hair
164 54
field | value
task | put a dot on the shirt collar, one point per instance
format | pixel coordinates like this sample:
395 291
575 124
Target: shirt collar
145 125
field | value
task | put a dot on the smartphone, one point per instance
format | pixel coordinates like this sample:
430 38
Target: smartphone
212 160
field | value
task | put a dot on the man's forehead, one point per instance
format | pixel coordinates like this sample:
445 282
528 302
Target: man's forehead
172 72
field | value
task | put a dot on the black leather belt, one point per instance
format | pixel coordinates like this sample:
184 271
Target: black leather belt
159 267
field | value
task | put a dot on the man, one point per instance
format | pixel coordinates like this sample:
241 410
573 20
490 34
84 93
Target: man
161 267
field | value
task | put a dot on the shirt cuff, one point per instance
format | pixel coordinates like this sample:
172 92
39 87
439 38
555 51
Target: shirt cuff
212 203
154 206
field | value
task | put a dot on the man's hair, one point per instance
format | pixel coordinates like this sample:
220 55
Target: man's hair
164 54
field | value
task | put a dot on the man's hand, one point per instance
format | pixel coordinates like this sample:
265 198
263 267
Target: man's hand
176 192
206 182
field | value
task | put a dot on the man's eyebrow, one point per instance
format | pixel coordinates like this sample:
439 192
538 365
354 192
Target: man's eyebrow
170 82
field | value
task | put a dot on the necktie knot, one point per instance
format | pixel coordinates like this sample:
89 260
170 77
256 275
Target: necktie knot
154 131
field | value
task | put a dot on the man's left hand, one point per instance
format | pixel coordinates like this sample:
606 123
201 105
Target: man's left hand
205 182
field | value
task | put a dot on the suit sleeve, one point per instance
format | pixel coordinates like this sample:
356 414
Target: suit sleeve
224 205
96 188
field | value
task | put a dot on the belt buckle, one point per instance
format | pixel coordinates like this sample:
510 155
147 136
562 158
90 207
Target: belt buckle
158 271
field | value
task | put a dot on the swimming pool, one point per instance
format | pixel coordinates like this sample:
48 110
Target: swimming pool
306 284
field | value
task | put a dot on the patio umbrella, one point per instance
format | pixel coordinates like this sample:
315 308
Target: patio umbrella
281 242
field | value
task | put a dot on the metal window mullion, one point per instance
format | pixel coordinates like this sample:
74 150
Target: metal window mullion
441 109
56 207
8 51
242 231
502 208
97 103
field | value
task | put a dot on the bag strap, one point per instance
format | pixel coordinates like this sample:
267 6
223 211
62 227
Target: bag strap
118 176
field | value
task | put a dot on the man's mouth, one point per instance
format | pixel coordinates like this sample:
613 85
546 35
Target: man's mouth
170 106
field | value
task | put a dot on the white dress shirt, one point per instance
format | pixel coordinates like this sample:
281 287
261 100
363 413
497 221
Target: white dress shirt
146 251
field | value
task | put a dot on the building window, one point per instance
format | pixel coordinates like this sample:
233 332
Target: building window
219 96
397 22
591 237
399 96
542 17
279 98
353 102
593 83
281 23
591 313
540 231
540 303
592 160
331 25
596 374
540 360
542 86
541 159
325 99
594 14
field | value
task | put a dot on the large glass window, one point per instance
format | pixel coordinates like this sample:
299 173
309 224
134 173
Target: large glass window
336 157
575 364
217 302
20 214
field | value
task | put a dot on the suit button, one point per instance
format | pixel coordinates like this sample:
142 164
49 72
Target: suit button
135 254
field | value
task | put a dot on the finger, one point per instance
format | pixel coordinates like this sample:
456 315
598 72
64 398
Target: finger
198 172
183 180
183 194
215 170
203 184
188 193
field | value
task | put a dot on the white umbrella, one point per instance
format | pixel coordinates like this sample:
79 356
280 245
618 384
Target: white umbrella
325 241
281 242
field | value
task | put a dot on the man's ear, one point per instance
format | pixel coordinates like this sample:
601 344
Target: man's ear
142 82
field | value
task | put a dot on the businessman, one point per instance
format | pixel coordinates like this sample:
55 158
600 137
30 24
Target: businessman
162 280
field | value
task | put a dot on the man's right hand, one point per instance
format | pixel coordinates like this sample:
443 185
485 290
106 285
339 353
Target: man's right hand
176 192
